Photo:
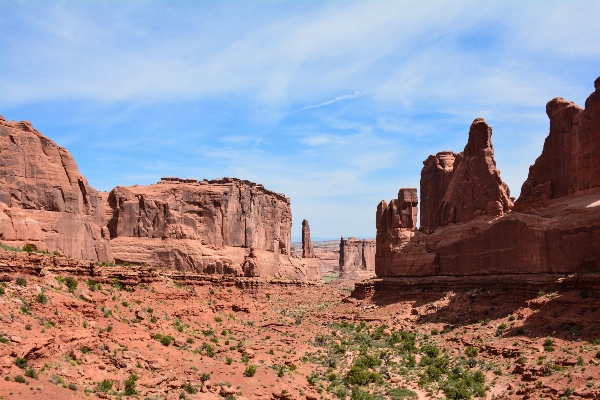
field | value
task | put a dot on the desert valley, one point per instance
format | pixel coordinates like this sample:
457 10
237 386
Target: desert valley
193 289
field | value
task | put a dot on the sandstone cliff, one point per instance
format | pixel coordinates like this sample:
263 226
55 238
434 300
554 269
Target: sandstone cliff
570 159
469 226
223 226
45 201
357 258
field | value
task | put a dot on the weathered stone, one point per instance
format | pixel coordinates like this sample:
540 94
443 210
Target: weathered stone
570 159
357 258
45 201
435 178
475 180
554 227
307 247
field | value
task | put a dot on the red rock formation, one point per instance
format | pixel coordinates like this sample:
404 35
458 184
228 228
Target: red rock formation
475 187
554 228
357 258
307 247
224 212
396 225
44 198
570 159
435 178
183 224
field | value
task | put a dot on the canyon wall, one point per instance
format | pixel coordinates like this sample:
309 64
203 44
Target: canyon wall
470 224
223 226
44 200
357 258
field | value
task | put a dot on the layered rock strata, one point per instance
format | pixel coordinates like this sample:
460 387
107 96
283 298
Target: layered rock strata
307 247
223 226
473 229
570 159
44 199
357 258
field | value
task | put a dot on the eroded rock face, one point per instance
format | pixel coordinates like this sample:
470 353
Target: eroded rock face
570 159
223 212
435 178
201 227
307 247
553 228
357 258
45 200
475 187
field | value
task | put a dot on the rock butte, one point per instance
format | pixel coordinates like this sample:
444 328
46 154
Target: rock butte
357 258
219 226
471 226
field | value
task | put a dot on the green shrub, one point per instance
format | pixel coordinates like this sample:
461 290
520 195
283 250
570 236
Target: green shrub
471 351
204 377
20 379
104 386
430 350
250 370
367 361
500 329
130 389
359 394
359 376
401 394
41 298
190 389
72 386
21 281
21 362
548 345
2 291
28 248
31 373
71 284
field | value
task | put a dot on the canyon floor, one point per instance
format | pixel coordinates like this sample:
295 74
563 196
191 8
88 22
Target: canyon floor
64 338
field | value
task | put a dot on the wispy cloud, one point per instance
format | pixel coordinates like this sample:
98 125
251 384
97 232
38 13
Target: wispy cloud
335 100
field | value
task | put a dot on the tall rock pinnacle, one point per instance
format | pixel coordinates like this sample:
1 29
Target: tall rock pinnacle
307 247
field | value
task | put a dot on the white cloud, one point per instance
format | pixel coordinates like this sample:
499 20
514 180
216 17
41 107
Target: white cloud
335 100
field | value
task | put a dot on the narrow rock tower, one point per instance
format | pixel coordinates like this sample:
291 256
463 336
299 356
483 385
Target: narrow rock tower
307 247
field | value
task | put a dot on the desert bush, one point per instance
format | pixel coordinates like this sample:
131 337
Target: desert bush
20 379
41 298
130 389
21 281
250 371
104 386
401 394
190 389
28 248
548 345
471 351
360 376
21 362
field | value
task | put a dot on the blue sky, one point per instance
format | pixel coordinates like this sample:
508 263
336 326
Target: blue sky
335 104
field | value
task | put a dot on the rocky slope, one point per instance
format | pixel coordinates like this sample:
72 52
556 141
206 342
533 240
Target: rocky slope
73 329
223 226
469 224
